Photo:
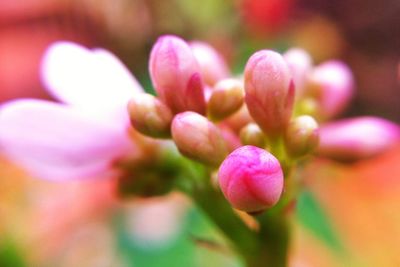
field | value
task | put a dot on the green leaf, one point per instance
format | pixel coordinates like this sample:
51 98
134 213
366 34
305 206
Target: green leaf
180 251
312 216
10 255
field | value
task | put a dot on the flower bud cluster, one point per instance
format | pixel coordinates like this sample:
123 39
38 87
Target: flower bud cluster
253 128
324 91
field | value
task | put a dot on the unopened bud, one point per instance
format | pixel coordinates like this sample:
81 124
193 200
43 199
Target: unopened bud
212 65
176 76
269 91
226 99
332 85
198 138
353 139
251 179
251 134
300 63
302 136
150 116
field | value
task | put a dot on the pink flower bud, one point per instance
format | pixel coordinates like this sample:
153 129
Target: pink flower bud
226 99
150 116
198 138
175 74
300 63
269 91
332 84
353 139
212 65
251 179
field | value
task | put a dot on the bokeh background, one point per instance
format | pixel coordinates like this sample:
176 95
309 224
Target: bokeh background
85 224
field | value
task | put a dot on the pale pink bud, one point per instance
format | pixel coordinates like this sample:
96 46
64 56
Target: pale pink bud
300 63
302 136
150 116
251 179
251 134
176 76
332 84
353 139
269 91
212 64
226 98
198 138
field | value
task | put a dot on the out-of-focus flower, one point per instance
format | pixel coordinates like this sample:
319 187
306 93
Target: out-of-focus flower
26 30
332 85
212 65
198 138
265 16
84 135
251 179
45 241
300 64
353 139
269 91
176 75
145 224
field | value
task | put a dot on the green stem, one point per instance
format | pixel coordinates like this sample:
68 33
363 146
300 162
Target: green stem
214 205
277 148
274 237
268 247
221 213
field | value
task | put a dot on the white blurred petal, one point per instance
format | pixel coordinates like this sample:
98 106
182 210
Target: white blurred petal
93 80
57 142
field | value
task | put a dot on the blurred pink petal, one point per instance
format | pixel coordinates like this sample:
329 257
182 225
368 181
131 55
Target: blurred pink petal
58 142
300 64
336 87
93 80
357 138
212 65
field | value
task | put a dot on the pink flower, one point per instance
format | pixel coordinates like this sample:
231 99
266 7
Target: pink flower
82 136
212 64
176 76
251 179
300 64
333 85
357 138
269 91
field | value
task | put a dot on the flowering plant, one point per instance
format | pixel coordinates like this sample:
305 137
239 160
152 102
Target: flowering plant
235 145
